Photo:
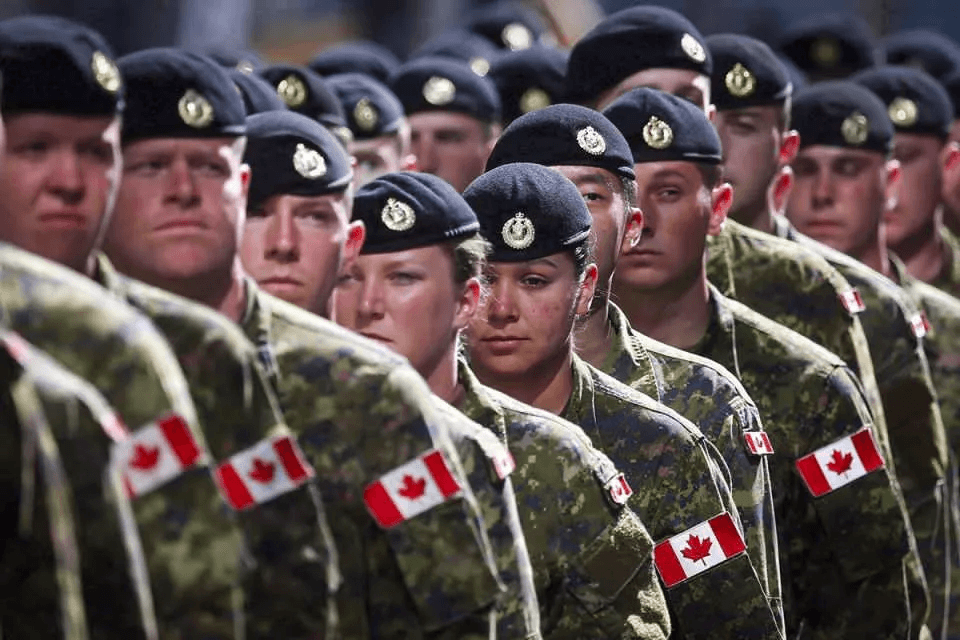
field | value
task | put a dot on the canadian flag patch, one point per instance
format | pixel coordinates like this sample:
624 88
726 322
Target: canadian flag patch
156 454
840 463
410 489
852 301
697 549
266 470
619 489
919 324
758 442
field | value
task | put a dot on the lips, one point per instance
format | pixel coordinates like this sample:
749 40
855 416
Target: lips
63 219
180 224
375 336
503 345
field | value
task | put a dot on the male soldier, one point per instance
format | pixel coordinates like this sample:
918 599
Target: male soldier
454 117
584 146
381 133
809 400
462 46
258 95
178 224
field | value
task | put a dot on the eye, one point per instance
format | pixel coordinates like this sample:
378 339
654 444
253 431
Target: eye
33 148
592 196
404 277
256 212
534 281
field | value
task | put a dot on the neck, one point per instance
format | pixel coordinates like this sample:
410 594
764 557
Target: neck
223 291
675 316
875 256
443 379
760 219
595 335
923 253
548 386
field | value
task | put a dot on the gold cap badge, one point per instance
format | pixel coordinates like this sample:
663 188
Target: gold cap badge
740 82
825 52
439 91
397 216
105 72
245 66
195 110
591 141
855 128
534 99
365 115
309 163
480 66
518 232
516 36
657 133
903 112
692 47
292 91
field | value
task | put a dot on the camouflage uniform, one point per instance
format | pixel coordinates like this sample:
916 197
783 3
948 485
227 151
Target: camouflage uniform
842 554
708 395
191 541
949 277
592 557
679 481
359 413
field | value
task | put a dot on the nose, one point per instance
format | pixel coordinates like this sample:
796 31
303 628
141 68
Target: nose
182 188
822 190
66 180
501 305
426 153
371 305
282 243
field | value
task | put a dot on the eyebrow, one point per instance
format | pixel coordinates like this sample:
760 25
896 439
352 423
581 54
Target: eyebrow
594 178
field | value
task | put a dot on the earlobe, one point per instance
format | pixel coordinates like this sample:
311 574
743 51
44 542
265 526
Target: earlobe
780 193
722 199
951 159
894 174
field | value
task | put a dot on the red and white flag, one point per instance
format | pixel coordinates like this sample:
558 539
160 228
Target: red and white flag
698 549
266 470
838 464
758 442
919 324
619 489
156 454
411 489
852 301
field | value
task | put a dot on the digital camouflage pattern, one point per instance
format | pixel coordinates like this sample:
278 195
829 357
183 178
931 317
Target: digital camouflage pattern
678 481
949 277
592 558
842 554
288 555
190 539
709 396
360 411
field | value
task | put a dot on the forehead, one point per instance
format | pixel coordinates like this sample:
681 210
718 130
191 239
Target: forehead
418 255
766 113
555 260
374 145
57 124
433 120
292 201
216 146
647 171
918 141
825 154
580 175
672 81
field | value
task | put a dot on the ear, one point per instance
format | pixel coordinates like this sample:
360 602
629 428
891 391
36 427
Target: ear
721 199
408 162
634 229
468 304
789 146
892 187
780 190
711 112
356 233
495 130
588 287
950 157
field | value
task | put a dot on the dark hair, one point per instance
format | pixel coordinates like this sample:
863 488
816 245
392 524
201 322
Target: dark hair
582 255
711 174
469 256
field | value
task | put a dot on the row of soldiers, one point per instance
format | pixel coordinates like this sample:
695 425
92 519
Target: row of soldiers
294 356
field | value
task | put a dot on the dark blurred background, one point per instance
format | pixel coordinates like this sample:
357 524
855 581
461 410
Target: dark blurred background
291 30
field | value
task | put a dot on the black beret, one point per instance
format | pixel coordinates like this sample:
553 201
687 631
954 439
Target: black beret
440 84
243 60
528 211
746 73
564 134
916 103
173 93
359 56
258 96
464 46
933 52
842 114
661 127
305 92
530 79
633 40
371 109
55 65
508 25
831 45
405 210
289 153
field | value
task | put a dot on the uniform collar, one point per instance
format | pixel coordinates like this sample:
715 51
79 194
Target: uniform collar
628 358
478 405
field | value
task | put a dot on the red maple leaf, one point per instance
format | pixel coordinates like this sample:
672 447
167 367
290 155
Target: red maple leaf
697 549
144 457
412 488
262 471
840 462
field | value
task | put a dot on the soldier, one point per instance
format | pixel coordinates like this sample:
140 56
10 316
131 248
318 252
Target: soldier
462 46
951 178
509 25
589 150
414 288
381 133
810 402
541 278
178 223
454 117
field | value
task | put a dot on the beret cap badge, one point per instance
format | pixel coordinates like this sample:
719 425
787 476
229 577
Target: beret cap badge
516 36
591 141
692 47
365 115
105 72
855 128
439 91
534 99
657 133
195 110
903 112
825 52
740 82
480 65
309 163
292 91
518 232
397 215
